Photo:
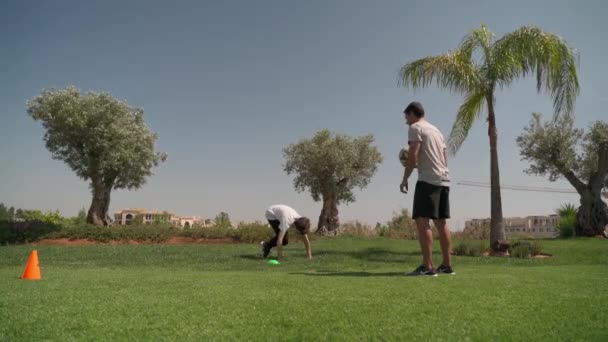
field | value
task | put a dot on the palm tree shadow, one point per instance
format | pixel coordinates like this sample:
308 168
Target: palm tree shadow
351 274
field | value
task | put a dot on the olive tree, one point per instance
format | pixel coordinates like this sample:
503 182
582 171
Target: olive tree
102 139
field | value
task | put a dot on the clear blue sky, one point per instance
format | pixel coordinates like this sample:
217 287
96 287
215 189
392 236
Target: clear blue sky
227 84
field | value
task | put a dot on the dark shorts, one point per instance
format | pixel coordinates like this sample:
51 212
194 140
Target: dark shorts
431 201
275 227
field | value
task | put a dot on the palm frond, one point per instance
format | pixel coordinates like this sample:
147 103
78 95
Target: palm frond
451 71
480 38
468 112
530 50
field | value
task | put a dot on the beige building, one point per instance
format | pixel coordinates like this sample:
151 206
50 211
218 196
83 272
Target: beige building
533 226
128 216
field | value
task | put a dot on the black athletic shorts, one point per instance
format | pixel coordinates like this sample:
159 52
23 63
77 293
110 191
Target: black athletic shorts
431 201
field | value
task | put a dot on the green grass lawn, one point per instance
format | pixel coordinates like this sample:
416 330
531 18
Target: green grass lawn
354 289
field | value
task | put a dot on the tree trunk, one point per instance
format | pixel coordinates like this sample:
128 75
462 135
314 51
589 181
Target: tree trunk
328 220
497 232
592 215
98 212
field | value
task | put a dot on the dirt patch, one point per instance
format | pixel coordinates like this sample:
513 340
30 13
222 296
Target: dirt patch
177 240
542 256
63 242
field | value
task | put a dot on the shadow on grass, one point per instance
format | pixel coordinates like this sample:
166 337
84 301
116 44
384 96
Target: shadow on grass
251 256
373 253
352 274
367 254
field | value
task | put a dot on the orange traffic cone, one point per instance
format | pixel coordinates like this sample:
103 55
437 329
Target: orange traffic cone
32 269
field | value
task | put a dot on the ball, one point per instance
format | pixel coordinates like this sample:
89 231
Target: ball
403 156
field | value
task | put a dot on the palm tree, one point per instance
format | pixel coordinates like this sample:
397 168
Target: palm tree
528 50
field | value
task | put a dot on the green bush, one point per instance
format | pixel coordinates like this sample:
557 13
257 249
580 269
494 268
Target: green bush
12 232
210 232
461 249
536 248
566 210
478 248
401 226
480 232
252 232
566 225
50 217
141 233
525 249
520 251
471 248
356 228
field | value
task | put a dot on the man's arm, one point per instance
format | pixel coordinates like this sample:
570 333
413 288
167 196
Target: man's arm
412 161
280 244
307 244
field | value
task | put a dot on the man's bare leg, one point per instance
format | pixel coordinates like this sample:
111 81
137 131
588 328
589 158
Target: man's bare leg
425 237
445 241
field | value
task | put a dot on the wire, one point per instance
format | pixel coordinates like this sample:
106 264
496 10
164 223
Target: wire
518 187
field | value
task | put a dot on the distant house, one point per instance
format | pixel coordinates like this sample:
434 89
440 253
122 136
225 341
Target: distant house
534 226
129 216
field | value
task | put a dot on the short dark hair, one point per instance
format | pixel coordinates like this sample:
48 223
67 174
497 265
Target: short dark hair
302 224
414 108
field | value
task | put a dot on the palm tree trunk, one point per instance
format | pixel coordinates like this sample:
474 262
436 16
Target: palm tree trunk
497 232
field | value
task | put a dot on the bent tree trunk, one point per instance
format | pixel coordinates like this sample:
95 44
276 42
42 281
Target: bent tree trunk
592 215
328 220
497 232
98 212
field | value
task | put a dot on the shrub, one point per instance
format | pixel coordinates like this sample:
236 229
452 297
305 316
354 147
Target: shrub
477 248
536 248
524 249
566 225
461 249
356 228
520 251
471 248
210 232
480 232
252 232
566 210
12 232
142 233
401 226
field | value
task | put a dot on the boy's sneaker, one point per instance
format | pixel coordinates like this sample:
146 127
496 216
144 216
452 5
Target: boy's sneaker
422 271
265 251
445 269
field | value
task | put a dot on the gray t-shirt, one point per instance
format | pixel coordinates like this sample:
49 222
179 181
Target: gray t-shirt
432 166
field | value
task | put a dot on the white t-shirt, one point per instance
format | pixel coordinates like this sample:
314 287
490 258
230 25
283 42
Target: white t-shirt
284 214
432 166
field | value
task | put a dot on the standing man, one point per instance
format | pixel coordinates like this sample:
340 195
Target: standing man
427 152
281 218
